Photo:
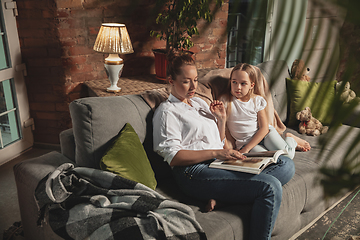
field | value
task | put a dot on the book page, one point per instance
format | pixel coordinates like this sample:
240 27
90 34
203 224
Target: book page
260 154
250 162
269 154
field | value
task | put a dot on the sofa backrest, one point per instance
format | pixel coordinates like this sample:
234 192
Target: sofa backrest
276 72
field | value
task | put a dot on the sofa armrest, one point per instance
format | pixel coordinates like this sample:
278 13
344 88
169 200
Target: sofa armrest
27 176
67 144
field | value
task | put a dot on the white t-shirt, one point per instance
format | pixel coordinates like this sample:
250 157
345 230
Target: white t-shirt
178 126
242 122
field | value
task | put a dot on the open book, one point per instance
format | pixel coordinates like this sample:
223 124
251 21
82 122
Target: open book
253 163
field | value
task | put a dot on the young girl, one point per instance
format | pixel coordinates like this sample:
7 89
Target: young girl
247 112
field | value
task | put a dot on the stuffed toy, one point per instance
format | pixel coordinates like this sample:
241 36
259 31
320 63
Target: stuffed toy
347 95
310 125
299 71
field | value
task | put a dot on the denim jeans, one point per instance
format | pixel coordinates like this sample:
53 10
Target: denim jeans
264 190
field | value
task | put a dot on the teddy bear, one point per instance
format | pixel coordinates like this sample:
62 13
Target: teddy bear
347 95
310 125
299 71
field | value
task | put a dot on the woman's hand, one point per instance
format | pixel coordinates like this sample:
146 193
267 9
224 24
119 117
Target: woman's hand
190 157
230 154
217 108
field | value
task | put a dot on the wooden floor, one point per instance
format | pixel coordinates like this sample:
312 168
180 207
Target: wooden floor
9 207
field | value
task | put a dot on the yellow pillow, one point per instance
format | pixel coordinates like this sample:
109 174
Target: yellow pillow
319 96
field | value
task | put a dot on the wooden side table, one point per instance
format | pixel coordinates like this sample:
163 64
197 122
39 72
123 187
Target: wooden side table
129 85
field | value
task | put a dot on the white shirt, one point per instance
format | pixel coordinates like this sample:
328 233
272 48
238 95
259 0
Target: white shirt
178 126
242 122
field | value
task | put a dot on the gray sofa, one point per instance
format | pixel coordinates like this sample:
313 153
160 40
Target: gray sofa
97 120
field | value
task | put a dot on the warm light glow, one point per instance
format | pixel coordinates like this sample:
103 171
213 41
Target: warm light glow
113 38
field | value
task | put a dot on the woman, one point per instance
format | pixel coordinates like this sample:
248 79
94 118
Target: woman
190 135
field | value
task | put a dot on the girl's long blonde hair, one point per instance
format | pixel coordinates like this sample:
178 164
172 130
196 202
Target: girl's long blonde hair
255 76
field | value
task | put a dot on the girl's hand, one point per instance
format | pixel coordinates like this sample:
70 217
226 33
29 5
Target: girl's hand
244 150
230 154
217 108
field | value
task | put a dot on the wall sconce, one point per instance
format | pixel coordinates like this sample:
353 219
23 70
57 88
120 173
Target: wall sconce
113 38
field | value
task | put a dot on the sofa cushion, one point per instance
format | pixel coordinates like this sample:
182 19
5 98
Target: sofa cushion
319 96
127 158
218 80
94 128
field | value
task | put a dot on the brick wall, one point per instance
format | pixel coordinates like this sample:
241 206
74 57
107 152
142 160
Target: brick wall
57 36
210 46
41 51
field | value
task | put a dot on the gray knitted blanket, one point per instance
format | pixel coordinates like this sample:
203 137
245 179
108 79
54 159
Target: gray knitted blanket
85 203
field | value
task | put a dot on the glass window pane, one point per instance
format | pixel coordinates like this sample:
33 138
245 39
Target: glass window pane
6 96
3 59
8 129
4 50
3 107
9 124
247 20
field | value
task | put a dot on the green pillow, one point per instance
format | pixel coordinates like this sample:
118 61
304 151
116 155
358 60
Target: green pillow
127 158
319 96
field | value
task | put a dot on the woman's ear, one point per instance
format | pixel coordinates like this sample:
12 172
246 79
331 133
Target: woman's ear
170 80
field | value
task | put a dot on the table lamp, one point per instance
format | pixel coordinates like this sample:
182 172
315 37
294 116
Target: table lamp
113 38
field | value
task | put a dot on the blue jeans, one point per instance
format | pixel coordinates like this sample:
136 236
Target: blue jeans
264 190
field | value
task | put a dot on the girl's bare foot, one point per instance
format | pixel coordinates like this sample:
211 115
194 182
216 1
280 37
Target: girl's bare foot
211 205
302 145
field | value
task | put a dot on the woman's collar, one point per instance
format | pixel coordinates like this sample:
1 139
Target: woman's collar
174 99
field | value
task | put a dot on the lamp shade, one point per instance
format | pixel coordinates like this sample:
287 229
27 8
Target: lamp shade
113 38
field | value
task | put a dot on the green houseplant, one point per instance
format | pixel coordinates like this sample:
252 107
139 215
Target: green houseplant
178 23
